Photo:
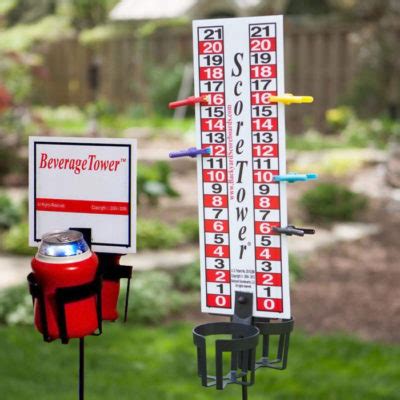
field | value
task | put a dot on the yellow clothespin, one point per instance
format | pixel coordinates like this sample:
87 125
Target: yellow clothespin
288 99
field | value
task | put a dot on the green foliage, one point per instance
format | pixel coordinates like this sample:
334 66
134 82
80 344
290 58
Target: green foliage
10 214
301 7
328 202
6 6
313 140
89 13
164 83
101 109
19 82
148 28
16 240
69 120
153 181
188 278
378 131
295 268
25 11
154 297
8 159
22 37
154 234
16 306
350 131
339 117
190 229
103 33
72 120
357 132
160 363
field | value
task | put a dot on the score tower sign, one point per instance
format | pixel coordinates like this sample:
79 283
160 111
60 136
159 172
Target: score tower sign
238 65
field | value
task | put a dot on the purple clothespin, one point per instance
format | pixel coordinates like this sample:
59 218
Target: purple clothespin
191 152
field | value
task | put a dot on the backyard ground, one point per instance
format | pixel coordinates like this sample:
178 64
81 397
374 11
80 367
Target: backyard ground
159 362
353 286
346 341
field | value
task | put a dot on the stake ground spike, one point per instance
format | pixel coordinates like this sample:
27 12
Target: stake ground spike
81 369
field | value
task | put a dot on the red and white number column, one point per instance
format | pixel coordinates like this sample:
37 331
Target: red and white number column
265 142
214 167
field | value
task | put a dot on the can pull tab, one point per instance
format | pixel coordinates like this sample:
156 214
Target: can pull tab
291 230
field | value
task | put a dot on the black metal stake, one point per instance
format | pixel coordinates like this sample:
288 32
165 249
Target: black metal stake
244 388
81 368
128 289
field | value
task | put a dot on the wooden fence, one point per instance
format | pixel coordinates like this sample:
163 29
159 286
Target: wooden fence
319 61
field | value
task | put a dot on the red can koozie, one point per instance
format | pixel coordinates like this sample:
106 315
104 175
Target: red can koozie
64 260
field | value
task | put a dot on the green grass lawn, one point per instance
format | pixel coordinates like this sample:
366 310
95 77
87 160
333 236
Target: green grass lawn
145 363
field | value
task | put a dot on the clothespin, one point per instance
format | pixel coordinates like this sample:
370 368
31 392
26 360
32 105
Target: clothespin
190 101
292 230
287 99
294 177
191 152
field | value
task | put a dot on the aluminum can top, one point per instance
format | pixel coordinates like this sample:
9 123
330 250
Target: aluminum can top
62 244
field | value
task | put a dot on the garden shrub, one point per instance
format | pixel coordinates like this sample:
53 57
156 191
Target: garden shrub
328 202
362 132
188 278
190 229
295 268
16 240
10 214
152 234
153 182
153 297
164 84
16 306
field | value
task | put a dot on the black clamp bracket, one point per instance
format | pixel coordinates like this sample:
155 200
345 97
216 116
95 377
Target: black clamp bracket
268 328
75 293
292 230
242 347
64 296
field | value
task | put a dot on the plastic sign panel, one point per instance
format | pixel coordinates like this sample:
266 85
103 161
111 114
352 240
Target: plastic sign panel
238 64
85 183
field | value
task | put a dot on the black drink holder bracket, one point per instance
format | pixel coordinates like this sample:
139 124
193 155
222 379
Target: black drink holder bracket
245 332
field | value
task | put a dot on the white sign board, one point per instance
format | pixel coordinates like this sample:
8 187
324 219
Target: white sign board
238 63
84 183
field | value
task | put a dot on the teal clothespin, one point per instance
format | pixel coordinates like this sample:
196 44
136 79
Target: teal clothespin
293 177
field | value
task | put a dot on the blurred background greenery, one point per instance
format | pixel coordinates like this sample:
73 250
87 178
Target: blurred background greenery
77 68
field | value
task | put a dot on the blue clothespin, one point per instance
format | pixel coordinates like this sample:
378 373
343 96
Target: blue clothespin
293 177
191 152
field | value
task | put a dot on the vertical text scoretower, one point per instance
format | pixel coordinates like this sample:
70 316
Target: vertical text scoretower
238 64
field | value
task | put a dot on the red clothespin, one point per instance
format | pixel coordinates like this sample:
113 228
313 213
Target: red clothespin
190 101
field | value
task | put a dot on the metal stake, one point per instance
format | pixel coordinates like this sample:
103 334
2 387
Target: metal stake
128 289
244 388
81 368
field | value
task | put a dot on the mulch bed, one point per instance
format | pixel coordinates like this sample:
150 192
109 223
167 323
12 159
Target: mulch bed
354 287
